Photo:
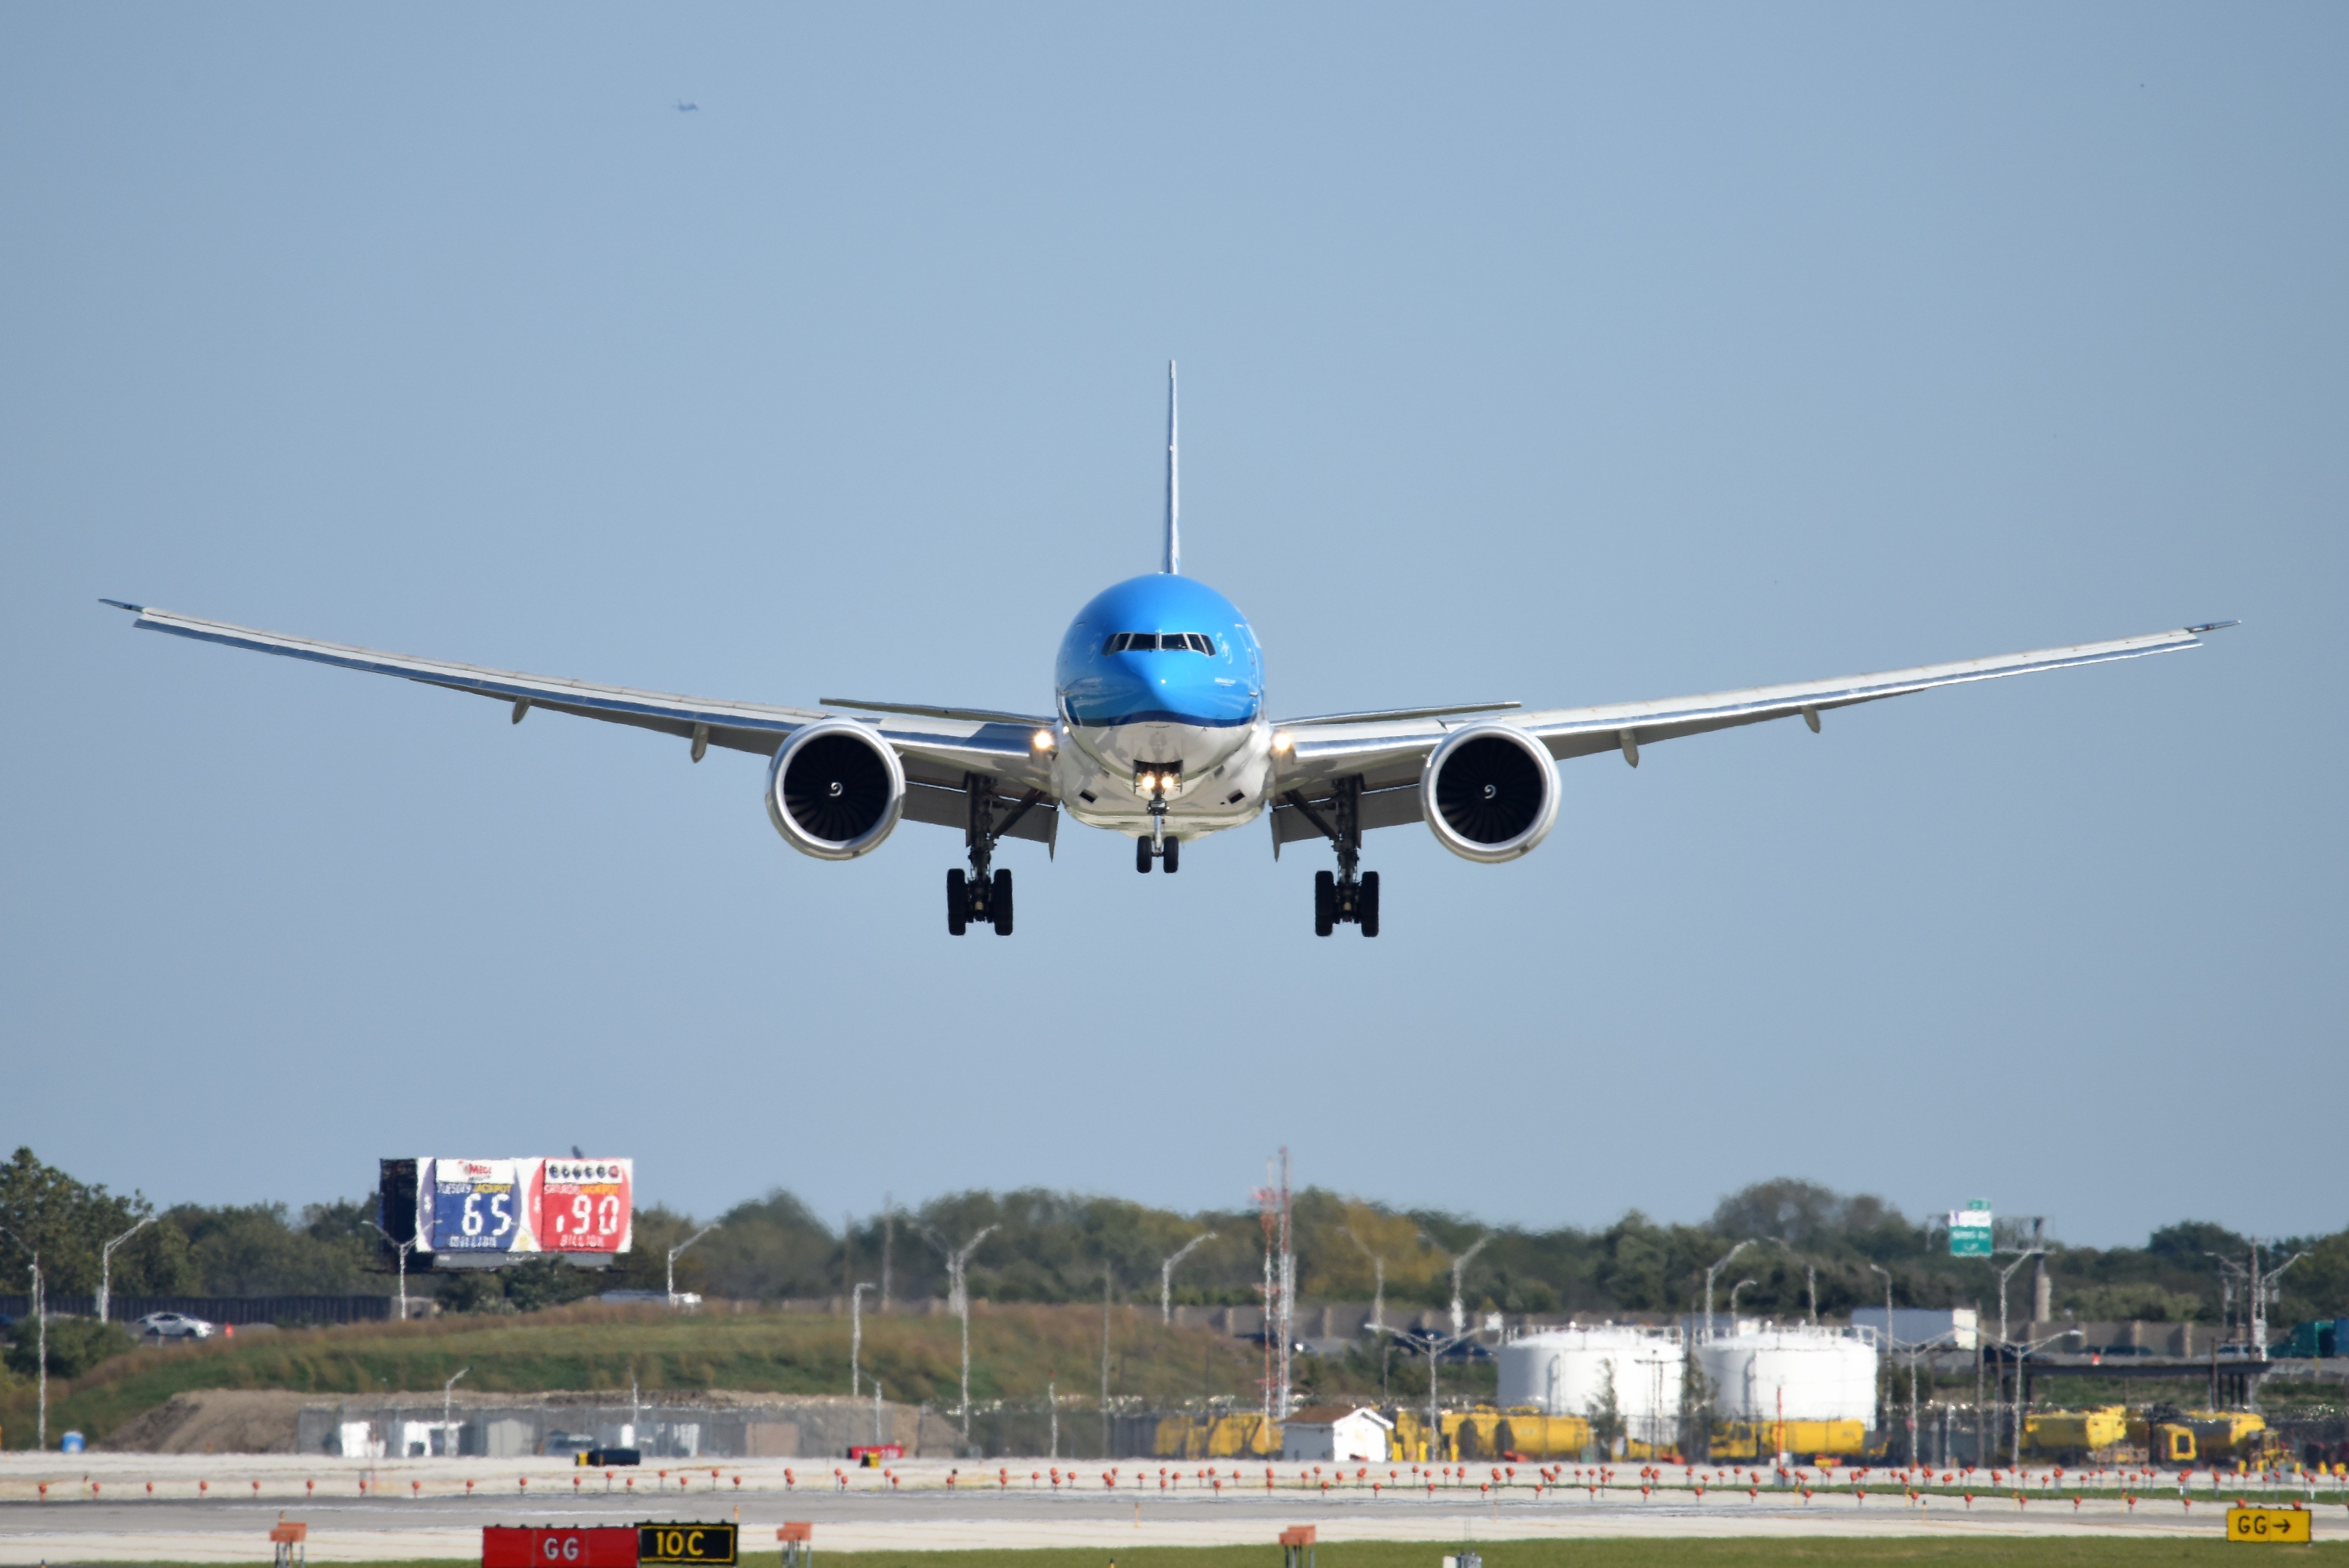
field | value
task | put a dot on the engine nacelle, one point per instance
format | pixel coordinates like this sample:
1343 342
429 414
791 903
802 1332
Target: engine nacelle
1490 793
835 790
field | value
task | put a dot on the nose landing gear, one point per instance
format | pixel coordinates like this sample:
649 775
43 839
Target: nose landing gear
1349 897
1157 846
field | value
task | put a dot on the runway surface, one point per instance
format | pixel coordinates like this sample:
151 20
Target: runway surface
207 1509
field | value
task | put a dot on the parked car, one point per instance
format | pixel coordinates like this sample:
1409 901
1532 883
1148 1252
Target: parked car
173 1325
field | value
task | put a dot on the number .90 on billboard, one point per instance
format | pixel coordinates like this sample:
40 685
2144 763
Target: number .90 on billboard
532 1205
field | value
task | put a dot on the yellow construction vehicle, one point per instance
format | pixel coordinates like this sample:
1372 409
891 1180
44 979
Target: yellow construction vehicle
2174 1436
1237 1436
1768 1439
2100 1435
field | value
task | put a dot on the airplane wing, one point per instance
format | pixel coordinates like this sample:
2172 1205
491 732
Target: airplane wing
1387 756
941 748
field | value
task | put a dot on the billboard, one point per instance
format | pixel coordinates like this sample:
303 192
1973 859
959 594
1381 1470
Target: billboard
485 1209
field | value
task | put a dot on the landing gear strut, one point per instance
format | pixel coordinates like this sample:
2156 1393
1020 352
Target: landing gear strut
1158 846
1351 896
984 894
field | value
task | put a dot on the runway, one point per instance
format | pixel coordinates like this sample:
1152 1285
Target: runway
208 1508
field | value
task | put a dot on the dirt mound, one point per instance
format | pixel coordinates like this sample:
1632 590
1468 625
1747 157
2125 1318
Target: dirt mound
215 1421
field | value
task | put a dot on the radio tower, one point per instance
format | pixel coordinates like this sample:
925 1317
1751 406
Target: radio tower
1273 1208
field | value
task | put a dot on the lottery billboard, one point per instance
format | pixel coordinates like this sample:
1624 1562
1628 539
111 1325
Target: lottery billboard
508 1206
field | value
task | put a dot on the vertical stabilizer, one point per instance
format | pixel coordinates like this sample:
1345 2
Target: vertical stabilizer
1173 563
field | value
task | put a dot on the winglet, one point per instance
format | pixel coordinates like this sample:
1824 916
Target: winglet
2214 625
118 604
1173 565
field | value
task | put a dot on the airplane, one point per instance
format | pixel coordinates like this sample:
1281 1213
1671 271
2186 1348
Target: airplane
1159 731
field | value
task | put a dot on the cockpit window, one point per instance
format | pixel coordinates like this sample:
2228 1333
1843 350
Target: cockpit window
1157 641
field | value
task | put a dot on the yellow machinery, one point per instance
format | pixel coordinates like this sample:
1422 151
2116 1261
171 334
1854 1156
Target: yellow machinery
1529 1434
1767 1440
2204 1437
2077 1436
1239 1436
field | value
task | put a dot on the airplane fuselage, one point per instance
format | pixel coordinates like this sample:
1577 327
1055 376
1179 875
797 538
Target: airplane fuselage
1159 692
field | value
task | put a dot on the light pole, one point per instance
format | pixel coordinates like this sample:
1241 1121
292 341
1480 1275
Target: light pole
856 1336
1166 1275
958 1298
448 1397
1436 1345
673 1252
1459 1267
2003 1275
1379 1287
403 1248
1891 1375
106 1265
1710 1274
1733 1300
40 1341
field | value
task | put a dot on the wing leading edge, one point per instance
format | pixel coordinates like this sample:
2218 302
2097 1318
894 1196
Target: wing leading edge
940 751
1387 756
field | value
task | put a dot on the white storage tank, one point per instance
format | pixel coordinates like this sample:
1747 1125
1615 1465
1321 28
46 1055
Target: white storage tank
1566 1371
1821 1374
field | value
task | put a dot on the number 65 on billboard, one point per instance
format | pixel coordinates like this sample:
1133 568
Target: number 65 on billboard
502 1207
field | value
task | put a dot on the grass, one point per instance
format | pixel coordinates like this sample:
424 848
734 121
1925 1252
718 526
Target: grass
1014 1351
2029 1552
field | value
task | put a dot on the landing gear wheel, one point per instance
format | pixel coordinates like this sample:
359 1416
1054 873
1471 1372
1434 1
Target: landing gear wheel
1000 905
957 903
1325 903
1142 855
1173 856
1366 903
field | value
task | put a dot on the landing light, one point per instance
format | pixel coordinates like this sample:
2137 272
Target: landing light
1043 741
1283 741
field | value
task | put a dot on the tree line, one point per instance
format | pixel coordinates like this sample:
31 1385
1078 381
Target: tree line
1044 1246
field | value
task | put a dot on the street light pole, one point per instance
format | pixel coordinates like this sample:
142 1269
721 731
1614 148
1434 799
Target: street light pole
856 1333
1710 1274
1379 1286
40 1341
106 1265
1891 1388
2015 1453
1166 1275
958 1297
680 1247
1733 1300
448 1397
403 1248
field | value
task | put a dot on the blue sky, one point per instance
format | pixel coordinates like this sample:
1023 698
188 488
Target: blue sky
1554 354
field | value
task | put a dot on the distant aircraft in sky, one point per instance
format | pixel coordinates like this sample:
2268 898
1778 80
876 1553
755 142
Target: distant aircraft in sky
684 107
1158 730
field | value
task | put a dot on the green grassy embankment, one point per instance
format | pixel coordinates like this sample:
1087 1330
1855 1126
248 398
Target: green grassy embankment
2029 1551
1014 1351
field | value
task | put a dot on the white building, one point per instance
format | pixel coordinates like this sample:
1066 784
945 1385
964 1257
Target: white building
1339 1432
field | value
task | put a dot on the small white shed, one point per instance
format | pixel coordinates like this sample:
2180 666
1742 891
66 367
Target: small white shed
1339 1432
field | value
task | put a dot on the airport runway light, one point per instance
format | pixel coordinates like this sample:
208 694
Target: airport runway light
40 1341
403 1248
673 1252
106 1265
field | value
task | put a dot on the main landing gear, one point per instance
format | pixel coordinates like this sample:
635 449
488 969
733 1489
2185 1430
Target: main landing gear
1345 898
984 895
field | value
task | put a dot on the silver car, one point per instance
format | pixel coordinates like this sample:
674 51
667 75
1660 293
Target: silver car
173 1325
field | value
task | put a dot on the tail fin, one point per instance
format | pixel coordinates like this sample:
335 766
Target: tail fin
1173 565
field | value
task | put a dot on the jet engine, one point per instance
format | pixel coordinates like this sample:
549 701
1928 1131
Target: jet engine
834 790
1490 793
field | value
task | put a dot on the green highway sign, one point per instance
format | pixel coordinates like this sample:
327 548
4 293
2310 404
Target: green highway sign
1970 1230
